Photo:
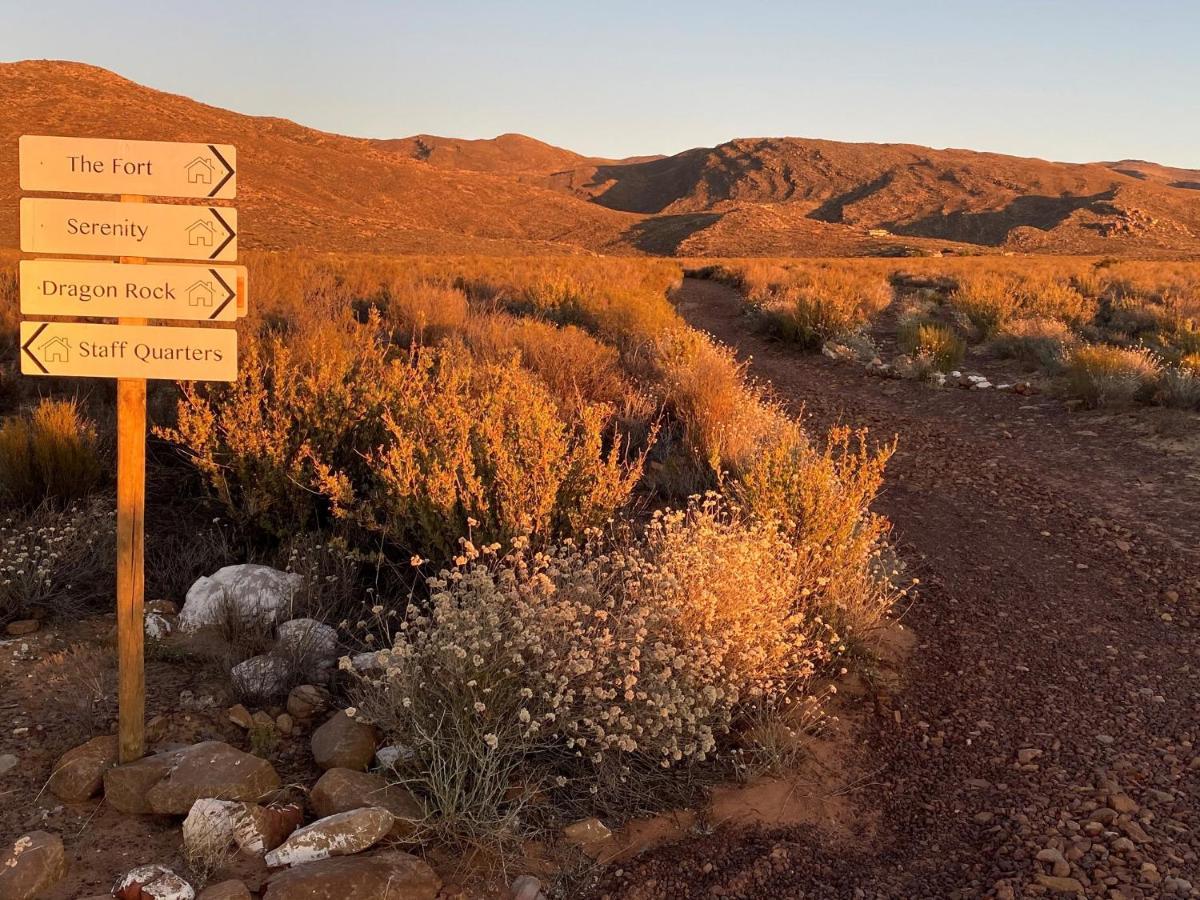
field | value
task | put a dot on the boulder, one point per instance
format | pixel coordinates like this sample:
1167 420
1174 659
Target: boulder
255 829
169 783
261 676
32 865
307 638
390 875
79 773
240 716
152 883
341 790
344 743
340 835
251 592
158 626
226 890
307 700
22 627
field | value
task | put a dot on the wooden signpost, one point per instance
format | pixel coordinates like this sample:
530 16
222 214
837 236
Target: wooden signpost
134 293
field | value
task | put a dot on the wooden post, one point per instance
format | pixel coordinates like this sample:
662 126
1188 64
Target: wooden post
131 542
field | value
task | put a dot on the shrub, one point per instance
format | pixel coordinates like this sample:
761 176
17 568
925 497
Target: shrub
1101 374
51 453
810 305
1044 343
936 344
987 299
56 562
1179 387
604 657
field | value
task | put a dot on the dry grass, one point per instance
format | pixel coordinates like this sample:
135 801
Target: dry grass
1101 374
51 453
932 344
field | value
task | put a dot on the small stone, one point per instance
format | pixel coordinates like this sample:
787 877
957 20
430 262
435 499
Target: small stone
1050 855
255 829
1122 803
1028 755
344 743
8 762
526 887
240 716
31 866
339 835
79 773
591 836
1060 885
157 627
156 729
307 701
390 757
162 607
284 723
309 640
155 883
263 719
22 627
983 818
1123 845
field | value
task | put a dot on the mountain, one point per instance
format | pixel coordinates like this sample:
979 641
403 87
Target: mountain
298 187
513 194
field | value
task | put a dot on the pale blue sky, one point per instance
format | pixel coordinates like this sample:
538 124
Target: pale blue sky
1062 80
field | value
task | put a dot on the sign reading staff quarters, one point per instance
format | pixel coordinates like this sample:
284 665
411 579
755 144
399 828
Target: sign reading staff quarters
85 349
149 168
136 293
102 228
70 287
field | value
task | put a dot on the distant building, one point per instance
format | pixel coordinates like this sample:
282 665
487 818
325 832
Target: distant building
878 232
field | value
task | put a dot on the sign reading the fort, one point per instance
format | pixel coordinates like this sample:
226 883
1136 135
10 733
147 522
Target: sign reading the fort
62 287
102 228
153 168
88 350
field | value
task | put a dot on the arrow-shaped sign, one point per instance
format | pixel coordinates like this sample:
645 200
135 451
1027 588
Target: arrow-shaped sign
90 350
85 288
148 168
105 228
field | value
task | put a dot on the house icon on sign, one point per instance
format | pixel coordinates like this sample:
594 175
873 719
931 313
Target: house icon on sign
55 350
200 294
201 233
200 171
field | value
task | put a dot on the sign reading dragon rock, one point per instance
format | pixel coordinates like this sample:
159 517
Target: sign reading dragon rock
103 228
153 168
87 350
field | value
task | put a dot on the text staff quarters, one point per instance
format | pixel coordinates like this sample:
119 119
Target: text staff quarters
102 228
86 350
152 168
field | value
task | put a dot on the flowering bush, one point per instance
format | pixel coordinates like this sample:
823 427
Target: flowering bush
584 660
52 560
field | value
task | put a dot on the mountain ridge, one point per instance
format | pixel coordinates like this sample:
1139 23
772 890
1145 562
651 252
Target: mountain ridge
302 187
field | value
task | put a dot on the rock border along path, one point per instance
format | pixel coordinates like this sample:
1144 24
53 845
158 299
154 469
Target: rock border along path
1048 737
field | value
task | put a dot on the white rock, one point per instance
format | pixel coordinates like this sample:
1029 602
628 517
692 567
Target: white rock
210 823
364 663
1004 387
310 637
981 385
8 762
527 887
975 379
342 834
956 374
157 626
389 757
250 591
158 882
261 676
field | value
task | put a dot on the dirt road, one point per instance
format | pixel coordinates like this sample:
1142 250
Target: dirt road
1048 736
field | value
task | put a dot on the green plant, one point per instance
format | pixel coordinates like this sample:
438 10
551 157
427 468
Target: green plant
932 342
49 453
1101 374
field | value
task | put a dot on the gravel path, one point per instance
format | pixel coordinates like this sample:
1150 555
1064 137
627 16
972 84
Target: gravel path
1048 738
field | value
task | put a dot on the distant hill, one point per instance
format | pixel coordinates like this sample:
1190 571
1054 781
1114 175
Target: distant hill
513 194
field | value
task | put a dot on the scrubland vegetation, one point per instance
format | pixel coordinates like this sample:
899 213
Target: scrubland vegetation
589 548
1118 330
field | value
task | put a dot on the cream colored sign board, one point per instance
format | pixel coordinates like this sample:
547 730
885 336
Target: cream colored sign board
153 168
71 287
105 228
86 350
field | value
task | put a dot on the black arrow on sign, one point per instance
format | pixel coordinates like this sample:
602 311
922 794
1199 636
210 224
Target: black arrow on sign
33 337
228 171
231 234
228 290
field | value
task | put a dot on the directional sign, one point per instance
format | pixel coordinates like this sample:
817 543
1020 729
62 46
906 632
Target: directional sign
71 287
103 228
86 350
152 168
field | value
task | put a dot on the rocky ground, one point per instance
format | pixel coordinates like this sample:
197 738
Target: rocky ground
1047 741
